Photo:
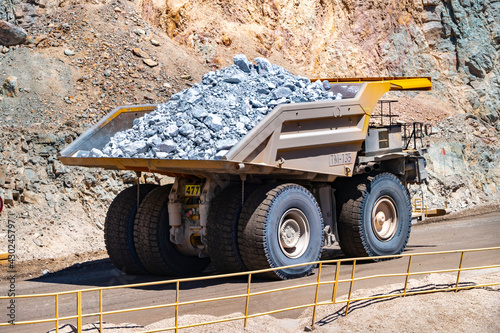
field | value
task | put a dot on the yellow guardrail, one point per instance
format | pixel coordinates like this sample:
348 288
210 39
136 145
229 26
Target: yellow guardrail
419 207
407 273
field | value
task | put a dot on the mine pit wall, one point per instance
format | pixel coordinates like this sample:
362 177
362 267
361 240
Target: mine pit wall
463 164
455 42
57 210
466 176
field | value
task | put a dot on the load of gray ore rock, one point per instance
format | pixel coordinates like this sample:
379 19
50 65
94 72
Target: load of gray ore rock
206 120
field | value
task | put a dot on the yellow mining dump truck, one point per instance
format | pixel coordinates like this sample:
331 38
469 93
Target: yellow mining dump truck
307 175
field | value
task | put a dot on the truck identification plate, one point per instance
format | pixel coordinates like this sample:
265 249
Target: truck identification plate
340 159
192 191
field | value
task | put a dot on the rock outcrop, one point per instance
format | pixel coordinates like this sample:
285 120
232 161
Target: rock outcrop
7 10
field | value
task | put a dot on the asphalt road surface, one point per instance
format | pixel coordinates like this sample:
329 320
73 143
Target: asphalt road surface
465 233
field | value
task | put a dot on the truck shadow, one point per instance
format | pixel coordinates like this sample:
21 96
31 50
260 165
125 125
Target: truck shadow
102 273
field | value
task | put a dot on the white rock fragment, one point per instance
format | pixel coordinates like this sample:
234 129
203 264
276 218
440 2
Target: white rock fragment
94 152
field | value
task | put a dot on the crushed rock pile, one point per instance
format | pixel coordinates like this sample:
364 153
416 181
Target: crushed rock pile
206 120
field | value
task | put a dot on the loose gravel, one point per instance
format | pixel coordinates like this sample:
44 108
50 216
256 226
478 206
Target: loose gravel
206 120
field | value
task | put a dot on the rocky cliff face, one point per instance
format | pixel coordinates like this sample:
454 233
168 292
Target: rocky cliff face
455 42
463 164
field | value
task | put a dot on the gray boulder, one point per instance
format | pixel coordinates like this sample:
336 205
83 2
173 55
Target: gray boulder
11 34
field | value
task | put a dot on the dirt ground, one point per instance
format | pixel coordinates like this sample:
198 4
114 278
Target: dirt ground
473 310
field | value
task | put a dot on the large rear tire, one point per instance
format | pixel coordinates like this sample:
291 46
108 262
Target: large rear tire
119 229
376 219
152 239
222 229
280 226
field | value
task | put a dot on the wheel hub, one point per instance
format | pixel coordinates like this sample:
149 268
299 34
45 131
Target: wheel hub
384 218
290 233
293 233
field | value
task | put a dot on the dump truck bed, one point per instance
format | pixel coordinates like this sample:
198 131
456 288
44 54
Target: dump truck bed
313 140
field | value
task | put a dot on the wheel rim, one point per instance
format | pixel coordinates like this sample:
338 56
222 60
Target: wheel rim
294 233
384 218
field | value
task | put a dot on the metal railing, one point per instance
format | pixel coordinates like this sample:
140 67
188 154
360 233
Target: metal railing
247 296
419 207
4 257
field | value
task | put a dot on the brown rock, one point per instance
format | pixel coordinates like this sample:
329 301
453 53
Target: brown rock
29 197
18 13
11 34
30 40
150 63
226 40
8 198
10 87
3 170
10 183
59 169
40 39
140 53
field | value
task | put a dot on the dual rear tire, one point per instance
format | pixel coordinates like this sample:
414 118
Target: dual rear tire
119 229
281 226
138 240
278 225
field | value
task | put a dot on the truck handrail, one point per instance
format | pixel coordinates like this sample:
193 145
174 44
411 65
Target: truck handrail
397 82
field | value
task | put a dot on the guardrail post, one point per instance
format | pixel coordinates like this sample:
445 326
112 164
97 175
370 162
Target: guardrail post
350 287
248 300
316 296
459 270
336 283
79 311
100 311
407 274
177 306
57 313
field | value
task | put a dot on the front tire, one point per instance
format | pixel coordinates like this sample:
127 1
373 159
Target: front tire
280 226
376 219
